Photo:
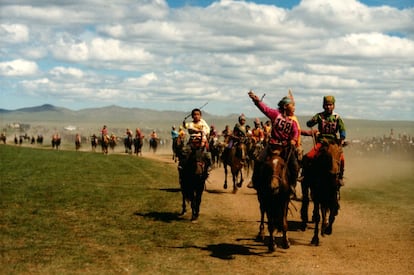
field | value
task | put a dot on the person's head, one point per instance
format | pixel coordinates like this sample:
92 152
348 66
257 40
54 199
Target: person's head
287 106
104 126
173 127
242 119
196 114
329 104
212 127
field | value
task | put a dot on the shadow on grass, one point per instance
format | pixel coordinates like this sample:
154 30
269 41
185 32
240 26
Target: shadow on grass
228 251
171 190
160 216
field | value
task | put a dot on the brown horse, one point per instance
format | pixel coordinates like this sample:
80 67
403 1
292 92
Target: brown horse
234 157
192 176
323 182
273 193
105 143
3 138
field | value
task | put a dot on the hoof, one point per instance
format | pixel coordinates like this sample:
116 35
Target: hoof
225 186
315 241
194 218
303 226
272 248
328 230
260 237
285 244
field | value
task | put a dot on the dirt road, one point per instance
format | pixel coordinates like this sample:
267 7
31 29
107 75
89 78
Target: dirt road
362 241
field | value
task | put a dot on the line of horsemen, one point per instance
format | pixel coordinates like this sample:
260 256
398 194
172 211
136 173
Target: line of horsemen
270 144
281 134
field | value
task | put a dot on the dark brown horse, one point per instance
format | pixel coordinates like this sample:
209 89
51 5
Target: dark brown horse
192 176
153 143
138 146
216 149
56 140
235 158
273 193
323 182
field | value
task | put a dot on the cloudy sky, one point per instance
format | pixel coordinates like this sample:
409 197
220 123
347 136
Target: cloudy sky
177 55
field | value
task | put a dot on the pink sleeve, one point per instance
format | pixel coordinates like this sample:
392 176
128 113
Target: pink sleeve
267 111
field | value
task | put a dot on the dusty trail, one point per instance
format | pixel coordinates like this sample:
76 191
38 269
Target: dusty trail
361 242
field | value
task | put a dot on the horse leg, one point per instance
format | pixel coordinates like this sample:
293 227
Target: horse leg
183 206
305 204
197 198
234 176
324 219
271 229
317 217
332 214
240 183
285 240
225 177
261 234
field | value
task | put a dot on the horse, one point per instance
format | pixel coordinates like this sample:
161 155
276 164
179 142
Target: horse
153 143
253 150
105 143
39 139
234 157
273 193
128 144
94 142
216 149
3 138
112 142
77 143
192 176
137 145
56 142
322 177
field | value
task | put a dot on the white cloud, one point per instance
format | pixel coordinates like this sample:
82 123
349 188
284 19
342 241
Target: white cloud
151 55
18 67
62 71
14 33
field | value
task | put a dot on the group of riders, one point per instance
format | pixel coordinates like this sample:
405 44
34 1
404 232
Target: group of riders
282 130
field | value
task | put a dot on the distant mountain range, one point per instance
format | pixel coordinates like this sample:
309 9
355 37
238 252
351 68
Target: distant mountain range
120 117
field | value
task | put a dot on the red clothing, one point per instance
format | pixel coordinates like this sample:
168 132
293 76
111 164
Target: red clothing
284 129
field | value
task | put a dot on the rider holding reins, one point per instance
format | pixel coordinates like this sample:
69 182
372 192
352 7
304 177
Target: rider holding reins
329 124
284 132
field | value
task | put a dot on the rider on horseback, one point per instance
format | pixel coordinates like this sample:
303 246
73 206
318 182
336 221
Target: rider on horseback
104 132
257 132
239 136
199 130
329 124
284 134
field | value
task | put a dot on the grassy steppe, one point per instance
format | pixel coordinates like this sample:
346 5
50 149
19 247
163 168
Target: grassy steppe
67 212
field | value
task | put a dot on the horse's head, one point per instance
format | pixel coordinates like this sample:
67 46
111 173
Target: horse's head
196 141
330 154
279 176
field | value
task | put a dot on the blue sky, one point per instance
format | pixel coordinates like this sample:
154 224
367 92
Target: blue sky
177 55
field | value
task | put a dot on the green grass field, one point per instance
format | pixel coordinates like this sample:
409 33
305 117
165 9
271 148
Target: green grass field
67 212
